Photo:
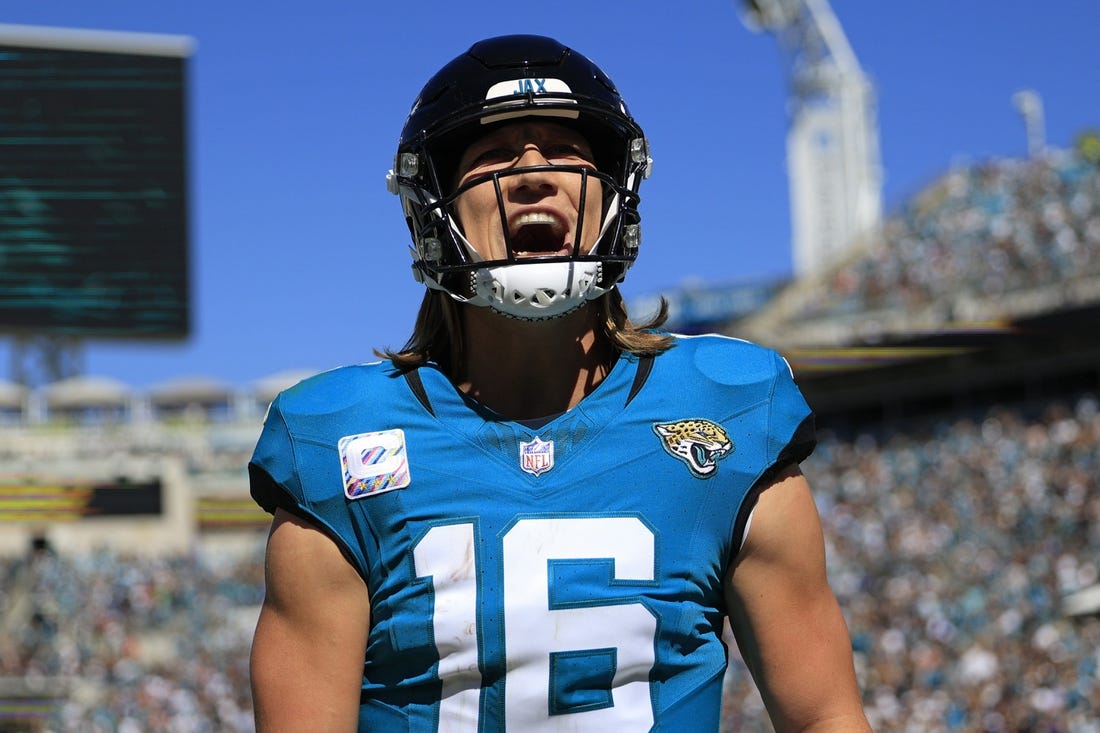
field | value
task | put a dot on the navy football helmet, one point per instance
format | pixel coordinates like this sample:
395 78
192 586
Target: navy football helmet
496 81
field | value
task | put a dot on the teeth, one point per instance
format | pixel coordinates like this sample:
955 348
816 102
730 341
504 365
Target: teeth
537 232
536 217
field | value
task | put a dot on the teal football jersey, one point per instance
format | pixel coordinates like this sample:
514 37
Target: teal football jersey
564 578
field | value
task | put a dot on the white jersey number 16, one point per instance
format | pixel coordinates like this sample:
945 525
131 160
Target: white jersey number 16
623 631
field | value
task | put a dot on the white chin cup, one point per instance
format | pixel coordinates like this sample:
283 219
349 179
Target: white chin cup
538 290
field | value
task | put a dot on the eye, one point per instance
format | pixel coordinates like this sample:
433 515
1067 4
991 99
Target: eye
483 160
561 152
490 157
494 154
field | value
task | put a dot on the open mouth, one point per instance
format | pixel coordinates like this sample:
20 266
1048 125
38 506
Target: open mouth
539 233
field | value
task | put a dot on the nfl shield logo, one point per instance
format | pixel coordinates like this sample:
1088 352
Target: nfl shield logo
536 457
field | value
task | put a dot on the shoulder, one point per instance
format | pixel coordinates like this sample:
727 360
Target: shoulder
338 389
723 361
745 387
296 464
322 408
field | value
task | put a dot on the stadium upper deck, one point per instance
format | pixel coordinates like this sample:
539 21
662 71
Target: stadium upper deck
984 246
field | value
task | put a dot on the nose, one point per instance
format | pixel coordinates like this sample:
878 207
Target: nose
531 180
531 155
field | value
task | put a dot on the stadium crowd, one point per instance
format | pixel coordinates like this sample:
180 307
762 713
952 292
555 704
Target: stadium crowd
980 232
951 543
133 644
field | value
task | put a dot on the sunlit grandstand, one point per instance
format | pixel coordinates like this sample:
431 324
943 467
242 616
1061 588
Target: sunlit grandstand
984 246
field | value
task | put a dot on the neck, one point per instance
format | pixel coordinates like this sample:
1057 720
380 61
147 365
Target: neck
531 369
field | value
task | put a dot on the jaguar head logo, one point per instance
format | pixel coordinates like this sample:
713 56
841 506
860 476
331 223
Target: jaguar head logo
698 443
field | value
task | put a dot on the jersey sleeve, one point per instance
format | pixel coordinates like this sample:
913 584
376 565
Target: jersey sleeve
292 470
790 437
791 433
273 480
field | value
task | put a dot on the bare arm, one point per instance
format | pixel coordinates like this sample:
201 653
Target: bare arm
307 655
787 620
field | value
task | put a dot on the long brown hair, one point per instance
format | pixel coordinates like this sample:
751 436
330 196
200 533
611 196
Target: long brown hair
437 334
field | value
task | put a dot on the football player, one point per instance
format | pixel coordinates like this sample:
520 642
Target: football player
537 515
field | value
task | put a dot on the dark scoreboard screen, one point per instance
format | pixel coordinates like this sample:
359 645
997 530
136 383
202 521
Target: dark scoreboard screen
93 184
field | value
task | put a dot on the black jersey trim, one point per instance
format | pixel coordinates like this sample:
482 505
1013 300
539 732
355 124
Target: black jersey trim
272 496
265 491
645 366
800 446
412 377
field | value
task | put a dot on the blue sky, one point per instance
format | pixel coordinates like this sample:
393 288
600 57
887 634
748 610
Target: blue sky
300 255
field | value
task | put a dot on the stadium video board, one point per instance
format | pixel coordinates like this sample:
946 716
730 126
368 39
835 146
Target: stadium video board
93 184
